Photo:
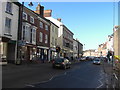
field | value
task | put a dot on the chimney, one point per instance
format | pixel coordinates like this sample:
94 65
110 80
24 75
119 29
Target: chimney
40 10
59 19
47 13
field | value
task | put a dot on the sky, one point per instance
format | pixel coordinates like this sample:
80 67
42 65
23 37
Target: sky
91 22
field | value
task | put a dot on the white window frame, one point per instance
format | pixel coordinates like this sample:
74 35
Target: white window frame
9 7
8 23
25 18
46 27
41 37
41 24
31 19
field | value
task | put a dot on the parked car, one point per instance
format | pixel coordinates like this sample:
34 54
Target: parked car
97 61
83 58
61 63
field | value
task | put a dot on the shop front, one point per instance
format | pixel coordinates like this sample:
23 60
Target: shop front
42 54
53 53
28 53
7 50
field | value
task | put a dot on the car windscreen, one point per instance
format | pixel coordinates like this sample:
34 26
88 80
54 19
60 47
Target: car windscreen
96 60
59 60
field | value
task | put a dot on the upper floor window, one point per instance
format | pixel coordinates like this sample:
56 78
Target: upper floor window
41 37
41 25
24 16
31 19
33 34
46 27
9 7
8 25
46 38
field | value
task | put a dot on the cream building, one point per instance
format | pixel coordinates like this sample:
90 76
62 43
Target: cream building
65 36
53 40
8 29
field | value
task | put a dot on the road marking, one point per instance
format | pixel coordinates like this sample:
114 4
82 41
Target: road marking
115 76
101 83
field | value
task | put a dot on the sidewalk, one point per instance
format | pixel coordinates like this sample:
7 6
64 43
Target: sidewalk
110 76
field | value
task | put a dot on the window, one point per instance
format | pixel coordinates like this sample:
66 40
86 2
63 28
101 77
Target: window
9 7
46 27
24 16
55 42
53 28
41 37
23 33
41 25
46 38
8 25
52 40
33 35
31 19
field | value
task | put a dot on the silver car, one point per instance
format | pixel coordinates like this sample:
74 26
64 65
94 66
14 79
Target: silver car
97 61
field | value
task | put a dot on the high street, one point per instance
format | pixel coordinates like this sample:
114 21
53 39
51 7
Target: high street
81 75
85 75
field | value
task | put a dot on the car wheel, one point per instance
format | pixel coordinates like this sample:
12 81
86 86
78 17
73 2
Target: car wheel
65 67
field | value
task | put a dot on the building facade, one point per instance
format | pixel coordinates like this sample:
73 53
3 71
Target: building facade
67 42
42 35
8 30
53 41
65 36
27 34
75 49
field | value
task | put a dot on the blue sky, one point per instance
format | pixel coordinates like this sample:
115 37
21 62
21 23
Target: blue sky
91 22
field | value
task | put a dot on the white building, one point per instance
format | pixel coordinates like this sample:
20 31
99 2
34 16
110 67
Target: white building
65 36
8 29
75 48
53 40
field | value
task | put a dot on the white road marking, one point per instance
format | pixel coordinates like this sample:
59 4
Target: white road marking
101 83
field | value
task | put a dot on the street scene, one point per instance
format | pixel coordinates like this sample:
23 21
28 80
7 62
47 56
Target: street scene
59 44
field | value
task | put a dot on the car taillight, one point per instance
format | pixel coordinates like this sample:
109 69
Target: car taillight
63 63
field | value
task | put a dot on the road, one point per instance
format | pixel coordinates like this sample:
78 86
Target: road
84 75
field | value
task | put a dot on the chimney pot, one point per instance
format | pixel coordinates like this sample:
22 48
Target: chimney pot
59 19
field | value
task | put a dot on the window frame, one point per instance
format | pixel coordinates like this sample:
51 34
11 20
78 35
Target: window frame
32 19
41 24
9 8
8 23
23 16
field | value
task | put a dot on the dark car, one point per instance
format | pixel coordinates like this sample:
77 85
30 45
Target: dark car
61 63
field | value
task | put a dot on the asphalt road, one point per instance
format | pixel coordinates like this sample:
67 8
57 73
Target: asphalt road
84 75
19 76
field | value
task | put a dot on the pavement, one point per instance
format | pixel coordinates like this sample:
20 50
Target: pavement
110 77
